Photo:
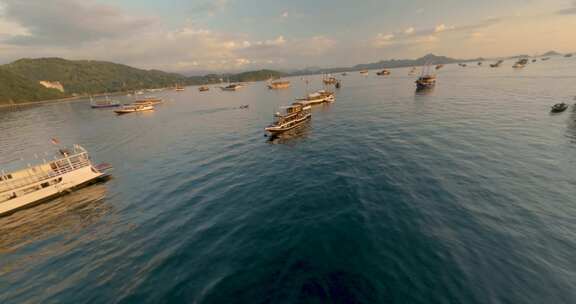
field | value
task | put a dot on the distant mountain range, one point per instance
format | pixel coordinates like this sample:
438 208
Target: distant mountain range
28 80
387 64
21 80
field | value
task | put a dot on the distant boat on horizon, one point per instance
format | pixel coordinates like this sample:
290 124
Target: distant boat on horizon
231 87
383 73
497 64
101 104
278 85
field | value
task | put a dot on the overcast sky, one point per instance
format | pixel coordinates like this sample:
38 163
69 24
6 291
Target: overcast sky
228 35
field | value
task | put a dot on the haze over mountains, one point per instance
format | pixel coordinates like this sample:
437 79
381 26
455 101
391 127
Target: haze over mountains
20 81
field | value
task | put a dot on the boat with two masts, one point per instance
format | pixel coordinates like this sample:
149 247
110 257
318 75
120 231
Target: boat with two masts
293 116
68 171
426 81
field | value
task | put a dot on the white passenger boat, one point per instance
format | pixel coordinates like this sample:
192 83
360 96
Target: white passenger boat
134 108
317 98
68 171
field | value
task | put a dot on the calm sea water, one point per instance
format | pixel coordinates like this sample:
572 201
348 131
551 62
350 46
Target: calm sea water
466 194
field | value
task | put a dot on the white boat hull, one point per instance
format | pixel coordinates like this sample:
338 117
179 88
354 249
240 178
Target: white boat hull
70 181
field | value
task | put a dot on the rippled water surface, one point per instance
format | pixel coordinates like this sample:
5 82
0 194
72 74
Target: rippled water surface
466 194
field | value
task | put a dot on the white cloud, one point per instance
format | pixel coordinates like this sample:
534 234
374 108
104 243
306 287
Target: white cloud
68 22
409 30
442 28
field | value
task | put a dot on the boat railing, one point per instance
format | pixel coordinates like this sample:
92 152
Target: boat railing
40 173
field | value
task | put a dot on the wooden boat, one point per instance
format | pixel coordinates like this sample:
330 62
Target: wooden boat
149 100
383 73
203 89
426 81
559 107
497 64
439 66
364 72
278 85
133 108
318 97
520 63
545 58
231 87
101 104
329 80
293 116
70 170
179 88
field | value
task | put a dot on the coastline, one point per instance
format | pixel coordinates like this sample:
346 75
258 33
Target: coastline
49 101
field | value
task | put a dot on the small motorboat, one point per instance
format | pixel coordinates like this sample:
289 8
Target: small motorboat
203 89
497 64
383 73
231 87
559 107
134 108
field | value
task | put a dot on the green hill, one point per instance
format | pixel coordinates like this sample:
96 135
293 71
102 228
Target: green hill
91 77
255 76
16 89
19 81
